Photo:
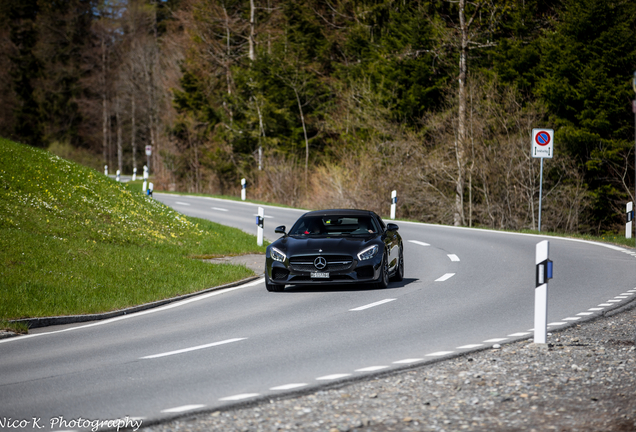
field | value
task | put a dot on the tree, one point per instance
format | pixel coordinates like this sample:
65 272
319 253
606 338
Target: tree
585 70
26 68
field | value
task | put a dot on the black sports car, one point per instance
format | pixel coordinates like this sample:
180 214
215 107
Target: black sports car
335 247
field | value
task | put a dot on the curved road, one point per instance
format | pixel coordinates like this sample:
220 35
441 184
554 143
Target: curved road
464 289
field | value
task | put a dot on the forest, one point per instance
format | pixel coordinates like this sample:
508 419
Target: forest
336 103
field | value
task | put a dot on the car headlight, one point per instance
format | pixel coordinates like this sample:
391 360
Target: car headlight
368 253
277 255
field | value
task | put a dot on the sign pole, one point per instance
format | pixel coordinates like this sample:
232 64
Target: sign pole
540 193
634 109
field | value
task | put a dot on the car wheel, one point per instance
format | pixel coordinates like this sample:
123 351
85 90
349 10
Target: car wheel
384 274
273 287
399 271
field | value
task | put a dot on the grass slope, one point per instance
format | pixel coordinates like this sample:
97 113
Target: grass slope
73 241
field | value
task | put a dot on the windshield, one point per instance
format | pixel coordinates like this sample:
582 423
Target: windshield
334 226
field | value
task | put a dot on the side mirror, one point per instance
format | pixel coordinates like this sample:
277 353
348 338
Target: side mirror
280 229
392 227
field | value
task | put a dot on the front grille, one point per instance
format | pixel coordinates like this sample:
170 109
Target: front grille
335 263
364 272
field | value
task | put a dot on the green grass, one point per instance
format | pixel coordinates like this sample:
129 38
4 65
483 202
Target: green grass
73 241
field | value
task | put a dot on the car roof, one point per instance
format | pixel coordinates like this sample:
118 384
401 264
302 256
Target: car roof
341 212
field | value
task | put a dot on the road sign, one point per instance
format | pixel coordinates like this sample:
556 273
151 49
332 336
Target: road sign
542 143
148 150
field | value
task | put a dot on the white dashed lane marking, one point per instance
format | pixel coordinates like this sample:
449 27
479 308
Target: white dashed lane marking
495 340
219 209
378 303
332 377
181 203
408 361
453 257
185 350
419 243
239 397
439 353
471 346
445 277
183 408
371 369
289 386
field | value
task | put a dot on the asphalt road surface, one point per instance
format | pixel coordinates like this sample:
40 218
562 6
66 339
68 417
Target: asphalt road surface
463 289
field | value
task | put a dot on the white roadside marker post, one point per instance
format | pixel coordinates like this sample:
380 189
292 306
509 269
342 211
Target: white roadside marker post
543 274
118 174
260 223
105 170
630 218
243 189
134 174
151 187
144 186
393 203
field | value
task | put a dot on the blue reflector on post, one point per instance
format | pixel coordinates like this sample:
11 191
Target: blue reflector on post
549 272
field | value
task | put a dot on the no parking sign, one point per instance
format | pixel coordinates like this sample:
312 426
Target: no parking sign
542 143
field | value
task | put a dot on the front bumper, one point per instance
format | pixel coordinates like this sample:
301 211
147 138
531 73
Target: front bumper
358 272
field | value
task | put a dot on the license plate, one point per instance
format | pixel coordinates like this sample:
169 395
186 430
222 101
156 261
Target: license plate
320 275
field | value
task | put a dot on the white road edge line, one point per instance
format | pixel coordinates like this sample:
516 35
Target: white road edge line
183 408
185 350
141 313
445 277
378 303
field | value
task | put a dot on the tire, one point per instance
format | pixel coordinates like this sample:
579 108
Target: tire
273 287
383 282
399 271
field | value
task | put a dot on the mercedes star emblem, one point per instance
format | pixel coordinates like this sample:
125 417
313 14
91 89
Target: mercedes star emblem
320 263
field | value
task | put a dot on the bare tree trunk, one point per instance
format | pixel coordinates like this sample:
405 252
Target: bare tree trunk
104 104
148 65
133 132
251 54
120 150
302 119
460 142
228 56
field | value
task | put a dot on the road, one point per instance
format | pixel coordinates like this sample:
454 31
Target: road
463 289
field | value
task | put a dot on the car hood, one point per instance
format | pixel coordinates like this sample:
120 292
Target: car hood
324 245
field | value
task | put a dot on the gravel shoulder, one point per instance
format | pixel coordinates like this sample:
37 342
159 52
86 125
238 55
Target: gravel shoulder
583 380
